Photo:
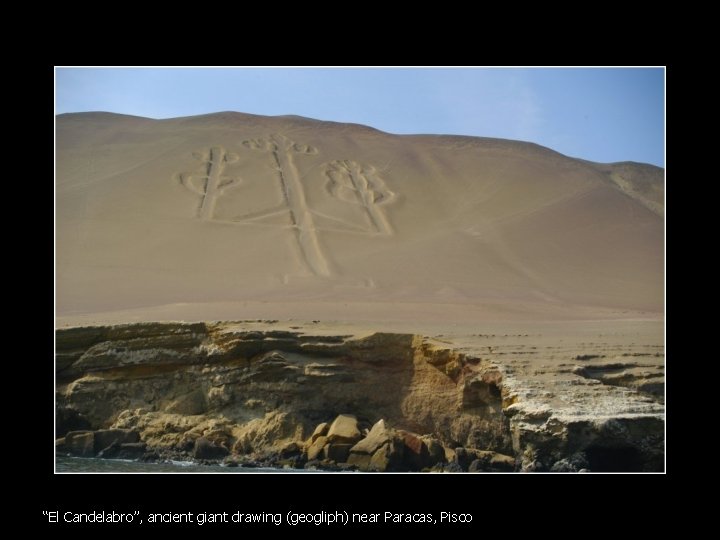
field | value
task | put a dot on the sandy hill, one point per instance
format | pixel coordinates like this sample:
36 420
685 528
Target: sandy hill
211 216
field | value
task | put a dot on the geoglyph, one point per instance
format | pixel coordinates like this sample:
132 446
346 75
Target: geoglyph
347 181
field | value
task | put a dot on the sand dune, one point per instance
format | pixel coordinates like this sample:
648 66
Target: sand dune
209 217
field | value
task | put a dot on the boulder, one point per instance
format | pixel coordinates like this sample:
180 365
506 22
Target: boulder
361 461
453 467
204 449
476 466
313 452
337 452
389 457
134 450
436 451
344 429
574 463
463 458
320 431
60 445
378 435
416 455
150 456
107 437
293 462
289 449
80 443
502 463
412 442
472 460
531 466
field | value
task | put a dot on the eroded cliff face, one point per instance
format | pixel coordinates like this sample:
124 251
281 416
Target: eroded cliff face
223 389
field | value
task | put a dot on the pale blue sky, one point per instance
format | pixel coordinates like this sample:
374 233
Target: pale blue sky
597 114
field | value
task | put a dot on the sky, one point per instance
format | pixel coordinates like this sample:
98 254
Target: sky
598 114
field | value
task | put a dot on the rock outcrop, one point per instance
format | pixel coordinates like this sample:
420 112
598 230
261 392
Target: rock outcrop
383 402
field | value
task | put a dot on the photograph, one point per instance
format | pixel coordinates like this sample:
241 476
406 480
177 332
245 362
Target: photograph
359 271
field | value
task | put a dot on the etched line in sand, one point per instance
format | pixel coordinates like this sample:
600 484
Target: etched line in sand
348 181
283 150
210 183
359 184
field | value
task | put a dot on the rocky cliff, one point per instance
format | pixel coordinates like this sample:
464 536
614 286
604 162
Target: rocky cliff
248 393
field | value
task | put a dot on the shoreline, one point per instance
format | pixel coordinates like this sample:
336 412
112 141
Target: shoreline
588 396
72 465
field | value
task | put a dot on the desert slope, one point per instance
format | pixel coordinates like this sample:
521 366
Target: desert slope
215 213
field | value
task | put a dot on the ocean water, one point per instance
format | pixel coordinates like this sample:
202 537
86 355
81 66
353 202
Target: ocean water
91 465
